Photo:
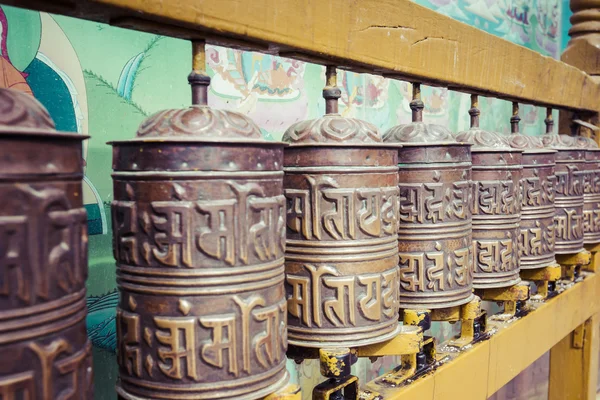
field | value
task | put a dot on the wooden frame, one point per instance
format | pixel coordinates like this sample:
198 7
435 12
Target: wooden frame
413 43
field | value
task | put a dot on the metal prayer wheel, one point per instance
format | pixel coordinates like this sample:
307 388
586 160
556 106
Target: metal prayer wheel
199 239
591 192
341 186
570 167
536 243
43 256
497 173
434 234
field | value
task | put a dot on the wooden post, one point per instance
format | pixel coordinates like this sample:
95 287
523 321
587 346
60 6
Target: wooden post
583 50
574 364
574 360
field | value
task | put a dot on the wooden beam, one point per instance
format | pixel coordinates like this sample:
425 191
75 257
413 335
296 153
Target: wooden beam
396 38
491 364
574 364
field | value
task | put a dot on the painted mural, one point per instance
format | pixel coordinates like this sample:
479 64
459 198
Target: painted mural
103 81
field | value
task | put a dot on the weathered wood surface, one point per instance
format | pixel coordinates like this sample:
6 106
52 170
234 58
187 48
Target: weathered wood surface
397 38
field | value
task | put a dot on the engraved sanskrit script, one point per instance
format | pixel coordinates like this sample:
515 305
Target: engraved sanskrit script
324 297
189 347
325 209
246 228
48 243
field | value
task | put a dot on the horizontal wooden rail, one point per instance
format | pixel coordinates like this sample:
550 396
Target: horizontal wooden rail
390 37
482 370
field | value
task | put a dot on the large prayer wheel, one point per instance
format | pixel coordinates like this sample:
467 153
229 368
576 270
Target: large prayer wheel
44 347
341 186
434 234
199 239
537 237
591 192
497 173
570 167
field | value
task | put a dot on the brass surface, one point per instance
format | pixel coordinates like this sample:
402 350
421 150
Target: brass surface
199 239
497 173
341 186
570 166
434 235
44 349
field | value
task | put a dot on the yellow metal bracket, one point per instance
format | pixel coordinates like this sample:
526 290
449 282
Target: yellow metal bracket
511 297
595 259
336 366
571 262
473 324
542 277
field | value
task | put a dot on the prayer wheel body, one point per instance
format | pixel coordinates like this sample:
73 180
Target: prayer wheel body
341 186
199 239
44 347
434 234
537 235
497 173
570 167
591 193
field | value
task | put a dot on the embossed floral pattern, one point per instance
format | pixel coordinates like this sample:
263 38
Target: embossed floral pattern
480 138
418 132
23 110
332 129
201 122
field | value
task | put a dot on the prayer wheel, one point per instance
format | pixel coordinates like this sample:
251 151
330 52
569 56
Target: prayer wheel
341 186
570 167
591 192
199 239
434 234
536 242
44 347
497 173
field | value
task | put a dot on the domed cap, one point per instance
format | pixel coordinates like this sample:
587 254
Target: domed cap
22 114
482 139
418 132
559 142
582 142
524 142
333 130
200 123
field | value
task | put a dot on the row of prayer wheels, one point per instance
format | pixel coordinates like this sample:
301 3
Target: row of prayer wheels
229 247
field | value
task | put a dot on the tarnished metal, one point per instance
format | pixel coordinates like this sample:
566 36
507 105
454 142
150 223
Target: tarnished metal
537 232
434 235
497 174
570 166
341 186
199 239
44 348
336 366
591 192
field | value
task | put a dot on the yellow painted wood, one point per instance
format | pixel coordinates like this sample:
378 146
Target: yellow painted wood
412 41
485 368
573 368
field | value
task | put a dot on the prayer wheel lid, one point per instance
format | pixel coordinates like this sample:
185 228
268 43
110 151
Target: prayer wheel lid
483 140
199 124
419 133
333 130
22 114
529 144
587 143
560 142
